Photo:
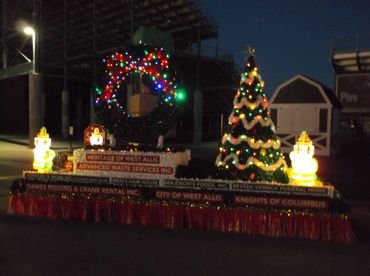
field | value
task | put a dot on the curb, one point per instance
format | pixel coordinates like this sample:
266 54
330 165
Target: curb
14 142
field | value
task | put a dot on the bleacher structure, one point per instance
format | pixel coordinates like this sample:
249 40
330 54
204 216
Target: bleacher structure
351 62
56 72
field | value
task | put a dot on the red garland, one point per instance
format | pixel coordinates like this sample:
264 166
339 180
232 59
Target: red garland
327 227
118 65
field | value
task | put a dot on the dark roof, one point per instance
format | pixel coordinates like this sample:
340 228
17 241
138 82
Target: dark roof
351 54
299 90
328 92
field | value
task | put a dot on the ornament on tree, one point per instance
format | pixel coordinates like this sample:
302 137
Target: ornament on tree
250 146
252 175
254 130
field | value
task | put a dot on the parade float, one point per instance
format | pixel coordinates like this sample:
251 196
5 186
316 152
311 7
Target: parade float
124 180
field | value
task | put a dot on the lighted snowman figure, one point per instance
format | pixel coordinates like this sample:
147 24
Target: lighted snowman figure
304 166
96 138
43 155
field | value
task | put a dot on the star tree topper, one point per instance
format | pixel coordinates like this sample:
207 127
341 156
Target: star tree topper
250 51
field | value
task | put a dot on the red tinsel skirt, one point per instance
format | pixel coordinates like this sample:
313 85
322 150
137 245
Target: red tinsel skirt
252 221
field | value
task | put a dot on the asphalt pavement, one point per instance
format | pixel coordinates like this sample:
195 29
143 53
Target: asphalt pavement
31 246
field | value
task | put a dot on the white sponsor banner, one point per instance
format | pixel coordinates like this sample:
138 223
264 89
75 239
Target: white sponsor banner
129 164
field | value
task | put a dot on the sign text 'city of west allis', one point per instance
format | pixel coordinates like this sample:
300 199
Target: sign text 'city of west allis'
189 196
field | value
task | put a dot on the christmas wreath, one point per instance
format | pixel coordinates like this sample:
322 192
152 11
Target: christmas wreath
146 67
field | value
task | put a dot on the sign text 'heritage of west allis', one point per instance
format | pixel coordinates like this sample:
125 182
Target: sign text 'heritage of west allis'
142 159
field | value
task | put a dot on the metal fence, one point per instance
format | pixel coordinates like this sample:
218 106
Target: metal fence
351 43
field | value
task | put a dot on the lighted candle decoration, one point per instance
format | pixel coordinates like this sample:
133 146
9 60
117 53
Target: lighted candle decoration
96 138
304 166
43 155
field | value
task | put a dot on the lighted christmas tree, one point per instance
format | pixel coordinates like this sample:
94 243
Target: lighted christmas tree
250 149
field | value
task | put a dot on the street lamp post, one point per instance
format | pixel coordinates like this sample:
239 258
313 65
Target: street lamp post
30 31
36 96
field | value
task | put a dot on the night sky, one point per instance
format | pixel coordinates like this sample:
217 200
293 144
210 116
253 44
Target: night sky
290 37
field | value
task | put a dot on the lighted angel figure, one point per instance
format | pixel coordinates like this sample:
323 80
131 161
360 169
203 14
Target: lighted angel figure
43 155
304 166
